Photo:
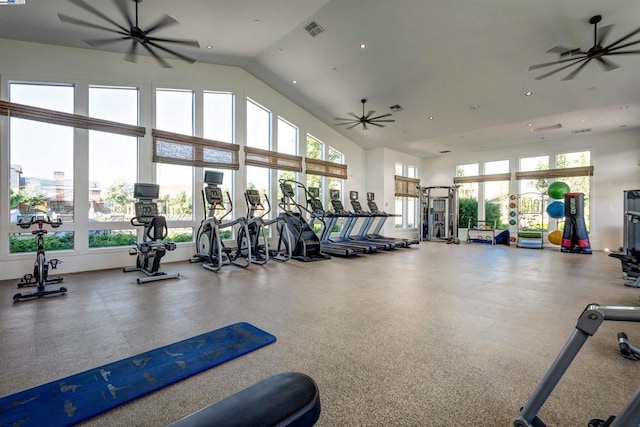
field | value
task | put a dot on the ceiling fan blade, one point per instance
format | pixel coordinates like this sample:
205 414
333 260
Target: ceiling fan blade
162 62
382 116
547 64
165 21
369 113
354 125
604 32
376 124
382 121
364 126
559 49
620 40
76 21
623 46
354 115
124 11
104 42
544 76
171 51
132 53
184 42
626 52
577 70
84 5
346 120
608 65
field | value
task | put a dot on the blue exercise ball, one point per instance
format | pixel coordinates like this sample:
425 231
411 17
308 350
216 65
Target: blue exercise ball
555 210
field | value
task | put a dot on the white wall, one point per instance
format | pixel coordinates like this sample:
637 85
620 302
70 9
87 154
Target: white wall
614 155
81 67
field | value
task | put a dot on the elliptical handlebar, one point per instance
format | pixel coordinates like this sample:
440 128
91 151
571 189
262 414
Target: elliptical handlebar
40 220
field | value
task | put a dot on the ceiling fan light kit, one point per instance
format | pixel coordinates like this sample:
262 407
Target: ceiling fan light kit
598 52
137 35
365 119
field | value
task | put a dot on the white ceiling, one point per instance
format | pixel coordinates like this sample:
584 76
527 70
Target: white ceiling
463 62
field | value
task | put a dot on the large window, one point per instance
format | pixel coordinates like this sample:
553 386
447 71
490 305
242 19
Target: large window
287 144
406 206
174 113
113 166
468 195
577 184
258 136
496 195
41 159
315 150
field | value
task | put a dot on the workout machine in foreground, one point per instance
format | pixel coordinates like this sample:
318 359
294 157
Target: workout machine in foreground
211 250
588 323
152 248
40 276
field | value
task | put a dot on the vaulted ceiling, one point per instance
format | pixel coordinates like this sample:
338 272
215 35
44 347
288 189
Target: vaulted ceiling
457 68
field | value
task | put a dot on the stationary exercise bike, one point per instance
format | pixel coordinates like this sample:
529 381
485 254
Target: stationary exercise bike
40 276
152 248
211 250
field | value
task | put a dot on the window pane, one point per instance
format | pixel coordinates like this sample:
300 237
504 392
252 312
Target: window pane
335 156
399 169
315 148
53 241
468 170
218 116
174 111
500 166
412 172
398 211
411 212
111 187
258 126
41 177
573 160
109 238
528 164
496 204
176 191
258 179
468 204
287 137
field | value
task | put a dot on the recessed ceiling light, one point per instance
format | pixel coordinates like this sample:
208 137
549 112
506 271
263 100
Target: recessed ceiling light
210 47
295 82
529 124
430 117
528 93
364 133
363 46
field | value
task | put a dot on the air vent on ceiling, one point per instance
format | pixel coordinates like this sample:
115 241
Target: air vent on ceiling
444 151
314 28
395 108
582 130
546 128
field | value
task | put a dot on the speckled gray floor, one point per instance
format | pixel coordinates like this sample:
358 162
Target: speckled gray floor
437 335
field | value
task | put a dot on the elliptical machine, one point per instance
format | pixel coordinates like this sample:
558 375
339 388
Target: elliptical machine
152 248
211 250
258 227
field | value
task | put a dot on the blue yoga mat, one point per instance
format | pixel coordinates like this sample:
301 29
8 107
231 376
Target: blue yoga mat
70 400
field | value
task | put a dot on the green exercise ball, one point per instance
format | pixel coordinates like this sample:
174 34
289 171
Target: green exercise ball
558 189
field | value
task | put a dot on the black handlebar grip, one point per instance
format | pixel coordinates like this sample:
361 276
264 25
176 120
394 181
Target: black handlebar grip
623 344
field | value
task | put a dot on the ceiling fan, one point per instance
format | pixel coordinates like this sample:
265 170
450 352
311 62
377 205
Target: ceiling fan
364 120
138 36
597 52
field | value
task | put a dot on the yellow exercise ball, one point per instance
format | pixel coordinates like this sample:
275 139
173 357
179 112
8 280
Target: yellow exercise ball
555 237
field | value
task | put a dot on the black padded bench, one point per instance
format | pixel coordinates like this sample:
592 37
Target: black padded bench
289 399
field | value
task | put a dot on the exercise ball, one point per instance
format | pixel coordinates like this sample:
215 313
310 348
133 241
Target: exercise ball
555 237
555 210
557 190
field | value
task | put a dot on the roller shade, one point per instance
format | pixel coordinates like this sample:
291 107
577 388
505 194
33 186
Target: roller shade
177 149
11 109
406 187
272 159
325 168
482 178
556 173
